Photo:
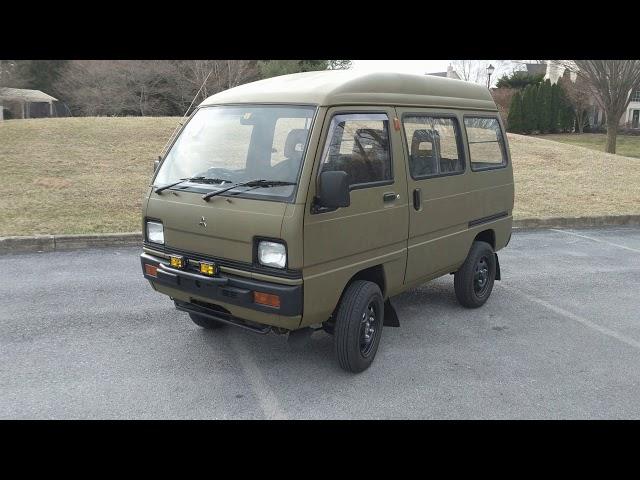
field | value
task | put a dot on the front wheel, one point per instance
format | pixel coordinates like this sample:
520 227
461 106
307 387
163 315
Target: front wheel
358 326
473 282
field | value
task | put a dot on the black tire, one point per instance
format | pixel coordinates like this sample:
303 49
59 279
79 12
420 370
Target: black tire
357 333
205 322
473 282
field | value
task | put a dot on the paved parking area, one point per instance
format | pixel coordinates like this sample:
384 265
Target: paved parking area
82 335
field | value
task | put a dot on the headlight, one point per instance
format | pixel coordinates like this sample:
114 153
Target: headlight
272 254
155 232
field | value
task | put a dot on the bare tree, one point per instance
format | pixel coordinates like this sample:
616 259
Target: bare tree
476 70
9 75
148 87
190 75
579 95
612 82
503 97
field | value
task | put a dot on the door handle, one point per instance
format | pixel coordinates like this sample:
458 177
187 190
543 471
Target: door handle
390 196
417 199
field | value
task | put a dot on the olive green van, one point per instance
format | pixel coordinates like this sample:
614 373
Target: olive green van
307 201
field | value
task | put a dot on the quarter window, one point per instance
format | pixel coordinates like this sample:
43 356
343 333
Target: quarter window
433 145
486 143
358 144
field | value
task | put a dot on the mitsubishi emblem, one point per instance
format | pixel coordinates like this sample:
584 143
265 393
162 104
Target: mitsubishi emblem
203 222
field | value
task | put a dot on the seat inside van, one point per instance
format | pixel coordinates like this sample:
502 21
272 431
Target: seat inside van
427 157
368 160
424 157
287 169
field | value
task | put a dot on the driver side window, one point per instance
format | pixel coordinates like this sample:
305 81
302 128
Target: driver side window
358 143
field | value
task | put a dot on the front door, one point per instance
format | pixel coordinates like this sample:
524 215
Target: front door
438 191
372 230
635 123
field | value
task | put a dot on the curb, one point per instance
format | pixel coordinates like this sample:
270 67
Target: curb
55 243
51 243
576 222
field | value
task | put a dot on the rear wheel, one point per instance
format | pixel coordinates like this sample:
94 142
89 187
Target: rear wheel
474 280
205 322
358 326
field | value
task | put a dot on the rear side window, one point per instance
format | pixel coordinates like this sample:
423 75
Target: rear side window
486 143
434 145
358 143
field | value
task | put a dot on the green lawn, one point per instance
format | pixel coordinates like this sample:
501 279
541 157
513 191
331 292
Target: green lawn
627 145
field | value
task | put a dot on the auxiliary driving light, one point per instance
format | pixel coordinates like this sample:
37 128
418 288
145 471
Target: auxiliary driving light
267 299
177 261
207 268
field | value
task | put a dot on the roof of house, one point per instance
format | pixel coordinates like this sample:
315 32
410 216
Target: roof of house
25 95
450 74
346 87
536 68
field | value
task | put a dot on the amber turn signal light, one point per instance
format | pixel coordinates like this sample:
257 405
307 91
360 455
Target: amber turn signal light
266 299
177 262
207 268
151 270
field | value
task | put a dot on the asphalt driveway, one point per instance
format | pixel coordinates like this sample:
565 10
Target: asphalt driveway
82 335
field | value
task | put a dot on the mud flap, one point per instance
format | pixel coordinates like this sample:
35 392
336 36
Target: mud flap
390 315
497 267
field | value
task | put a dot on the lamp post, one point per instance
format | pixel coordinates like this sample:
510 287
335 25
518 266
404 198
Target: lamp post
490 70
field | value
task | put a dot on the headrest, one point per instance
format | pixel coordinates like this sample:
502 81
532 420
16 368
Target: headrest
423 135
294 145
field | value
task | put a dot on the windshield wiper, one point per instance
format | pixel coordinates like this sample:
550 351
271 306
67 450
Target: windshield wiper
192 179
251 183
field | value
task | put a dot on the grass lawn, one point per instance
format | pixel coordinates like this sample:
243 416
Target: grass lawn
77 175
626 145
88 175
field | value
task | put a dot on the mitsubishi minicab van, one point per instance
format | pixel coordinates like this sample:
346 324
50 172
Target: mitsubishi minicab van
307 201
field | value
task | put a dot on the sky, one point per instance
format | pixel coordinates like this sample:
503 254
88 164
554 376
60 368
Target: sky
421 67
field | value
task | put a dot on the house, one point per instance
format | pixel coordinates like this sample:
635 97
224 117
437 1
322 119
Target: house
631 118
24 103
450 73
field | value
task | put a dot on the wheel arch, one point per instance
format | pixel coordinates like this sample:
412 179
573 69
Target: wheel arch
373 274
488 235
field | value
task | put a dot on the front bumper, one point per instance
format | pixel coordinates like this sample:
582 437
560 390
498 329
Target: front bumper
225 289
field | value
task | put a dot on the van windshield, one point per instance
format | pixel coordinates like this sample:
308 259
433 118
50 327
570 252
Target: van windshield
224 145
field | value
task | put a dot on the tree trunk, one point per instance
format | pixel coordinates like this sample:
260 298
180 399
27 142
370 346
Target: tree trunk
580 122
612 136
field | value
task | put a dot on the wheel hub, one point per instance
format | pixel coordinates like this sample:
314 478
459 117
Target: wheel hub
481 276
368 329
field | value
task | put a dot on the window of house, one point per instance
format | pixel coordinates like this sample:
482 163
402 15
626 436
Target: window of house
433 144
486 143
358 144
635 96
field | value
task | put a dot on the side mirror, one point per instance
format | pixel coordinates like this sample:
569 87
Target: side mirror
333 191
156 164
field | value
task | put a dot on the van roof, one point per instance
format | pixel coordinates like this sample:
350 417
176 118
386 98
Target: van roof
345 87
